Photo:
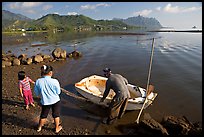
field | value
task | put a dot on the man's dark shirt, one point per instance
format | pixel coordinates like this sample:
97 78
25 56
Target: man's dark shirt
119 85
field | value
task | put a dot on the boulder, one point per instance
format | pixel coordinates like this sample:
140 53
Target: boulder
22 56
63 54
59 53
23 59
16 62
38 58
153 126
170 125
10 57
29 61
74 54
56 52
5 59
176 125
6 63
46 56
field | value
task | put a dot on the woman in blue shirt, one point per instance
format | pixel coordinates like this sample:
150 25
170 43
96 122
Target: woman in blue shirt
48 89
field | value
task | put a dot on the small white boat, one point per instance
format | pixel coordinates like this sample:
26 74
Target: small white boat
93 87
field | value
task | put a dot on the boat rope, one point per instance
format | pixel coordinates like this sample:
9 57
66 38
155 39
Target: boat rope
73 95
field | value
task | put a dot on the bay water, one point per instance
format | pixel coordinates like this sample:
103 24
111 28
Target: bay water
176 68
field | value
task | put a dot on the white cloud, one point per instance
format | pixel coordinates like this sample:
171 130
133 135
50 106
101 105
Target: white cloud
47 7
15 5
192 9
30 4
142 13
24 5
86 7
91 7
169 8
72 13
31 11
177 9
102 4
158 8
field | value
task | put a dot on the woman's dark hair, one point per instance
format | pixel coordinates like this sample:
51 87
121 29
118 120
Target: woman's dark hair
45 69
21 75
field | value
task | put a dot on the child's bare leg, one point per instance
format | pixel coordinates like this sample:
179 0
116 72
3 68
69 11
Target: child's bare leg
27 107
33 104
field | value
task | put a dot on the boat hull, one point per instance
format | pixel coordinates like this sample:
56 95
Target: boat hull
93 87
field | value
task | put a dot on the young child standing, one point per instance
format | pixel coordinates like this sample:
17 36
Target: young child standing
25 90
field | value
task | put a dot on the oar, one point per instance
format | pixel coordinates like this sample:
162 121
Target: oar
147 89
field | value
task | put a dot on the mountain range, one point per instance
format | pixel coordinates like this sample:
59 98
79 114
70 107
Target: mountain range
141 21
73 22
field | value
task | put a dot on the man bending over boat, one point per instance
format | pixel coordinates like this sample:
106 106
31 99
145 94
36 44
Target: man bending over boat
118 104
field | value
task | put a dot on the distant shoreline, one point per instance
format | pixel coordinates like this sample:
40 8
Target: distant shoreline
116 32
13 32
193 31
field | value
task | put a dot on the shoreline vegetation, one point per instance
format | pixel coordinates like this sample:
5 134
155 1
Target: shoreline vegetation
98 32
110 32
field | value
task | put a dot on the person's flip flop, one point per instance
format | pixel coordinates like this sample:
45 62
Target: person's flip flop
39 129
60 128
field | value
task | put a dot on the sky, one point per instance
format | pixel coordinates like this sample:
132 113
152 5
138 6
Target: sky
179 15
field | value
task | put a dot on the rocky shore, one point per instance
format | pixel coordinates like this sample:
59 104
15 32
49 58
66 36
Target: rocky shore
58 54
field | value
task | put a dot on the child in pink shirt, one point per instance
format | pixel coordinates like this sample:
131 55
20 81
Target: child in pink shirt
25 90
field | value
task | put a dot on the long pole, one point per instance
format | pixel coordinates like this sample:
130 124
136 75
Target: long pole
150 67
73 95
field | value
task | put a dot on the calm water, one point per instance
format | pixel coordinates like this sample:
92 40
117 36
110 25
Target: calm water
176 69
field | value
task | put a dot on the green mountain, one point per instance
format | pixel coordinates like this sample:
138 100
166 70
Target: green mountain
142 22
7 15
10 19
75 22
55 22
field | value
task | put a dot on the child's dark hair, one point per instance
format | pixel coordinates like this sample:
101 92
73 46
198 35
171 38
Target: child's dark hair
45 69
21 75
